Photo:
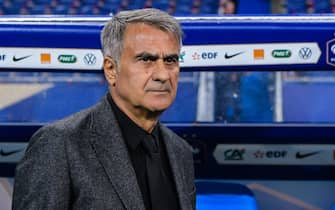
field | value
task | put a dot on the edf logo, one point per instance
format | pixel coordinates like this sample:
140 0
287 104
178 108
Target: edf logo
2 57
209 55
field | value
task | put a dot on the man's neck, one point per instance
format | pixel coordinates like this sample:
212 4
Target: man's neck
144 118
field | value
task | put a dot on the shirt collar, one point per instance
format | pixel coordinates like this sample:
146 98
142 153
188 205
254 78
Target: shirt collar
132 133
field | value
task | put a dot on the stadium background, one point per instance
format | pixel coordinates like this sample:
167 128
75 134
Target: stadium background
32 97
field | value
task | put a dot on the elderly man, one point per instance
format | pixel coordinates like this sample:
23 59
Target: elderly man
116 154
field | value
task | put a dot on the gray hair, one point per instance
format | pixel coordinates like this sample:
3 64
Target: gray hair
113 32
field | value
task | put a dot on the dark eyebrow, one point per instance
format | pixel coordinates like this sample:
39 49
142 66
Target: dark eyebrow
173 56
147 55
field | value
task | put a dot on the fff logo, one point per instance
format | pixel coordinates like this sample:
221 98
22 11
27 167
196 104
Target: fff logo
331 52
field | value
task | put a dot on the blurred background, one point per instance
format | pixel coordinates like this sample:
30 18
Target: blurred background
174 7
228 98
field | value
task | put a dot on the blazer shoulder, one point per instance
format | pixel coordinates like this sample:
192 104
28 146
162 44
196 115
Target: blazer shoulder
57 132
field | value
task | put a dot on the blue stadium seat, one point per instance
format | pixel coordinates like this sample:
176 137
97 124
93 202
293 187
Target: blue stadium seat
112 2
85 10
65 2
12 9
163 5
19 1
183 9
206 9
209 7
221 195
41 2
184 2
37 10
89 2
108 10
296 6
61 10
322 6
135 4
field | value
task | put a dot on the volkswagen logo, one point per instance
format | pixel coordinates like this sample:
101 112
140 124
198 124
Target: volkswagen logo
305 53
90 59
332 48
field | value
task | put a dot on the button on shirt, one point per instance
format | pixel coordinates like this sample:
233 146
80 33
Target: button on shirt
143 147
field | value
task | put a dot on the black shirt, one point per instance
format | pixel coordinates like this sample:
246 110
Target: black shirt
134 137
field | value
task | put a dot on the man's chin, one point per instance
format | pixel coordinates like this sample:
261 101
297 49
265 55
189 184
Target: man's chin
158 109
159 105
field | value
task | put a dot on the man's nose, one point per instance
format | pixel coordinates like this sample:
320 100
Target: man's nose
161 71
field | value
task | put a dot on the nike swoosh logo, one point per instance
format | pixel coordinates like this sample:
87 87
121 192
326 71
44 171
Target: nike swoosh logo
7 153
15 59
226 56
304 155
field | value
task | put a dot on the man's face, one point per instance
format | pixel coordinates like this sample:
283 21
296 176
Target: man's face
147 75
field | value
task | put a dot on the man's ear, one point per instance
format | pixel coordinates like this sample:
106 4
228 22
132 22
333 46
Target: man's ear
110 70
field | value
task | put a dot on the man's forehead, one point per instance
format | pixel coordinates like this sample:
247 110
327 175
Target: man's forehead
150 41
137 28
145 28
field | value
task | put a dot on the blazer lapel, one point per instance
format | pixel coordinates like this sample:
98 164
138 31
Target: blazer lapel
176 167
112 153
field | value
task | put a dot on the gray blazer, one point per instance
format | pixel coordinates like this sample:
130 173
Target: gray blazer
82 162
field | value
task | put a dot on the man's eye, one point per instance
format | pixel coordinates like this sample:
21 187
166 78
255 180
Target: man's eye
145 59
171 60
